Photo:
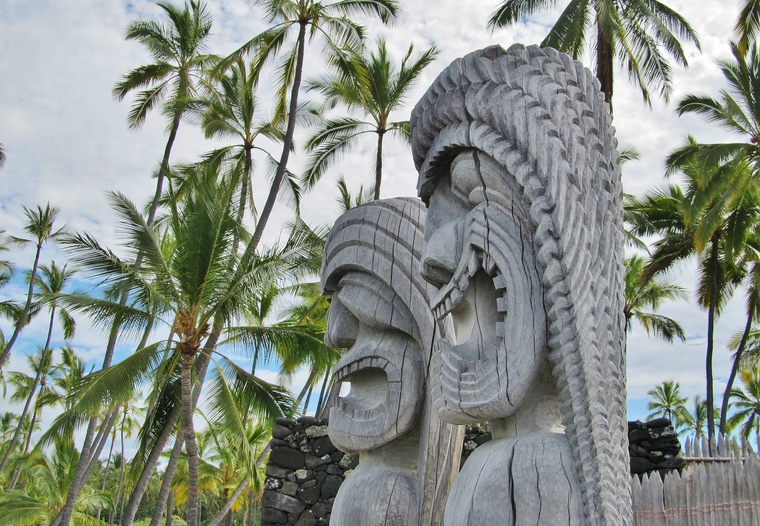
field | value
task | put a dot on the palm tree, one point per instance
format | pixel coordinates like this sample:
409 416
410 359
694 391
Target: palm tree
634 31
699 417
321 18
747 24
26 389
196 281
40 227
666 400
371 84
747 403
346 201
230 112
736 110
47 480
640 294
177 48
713 221
739 342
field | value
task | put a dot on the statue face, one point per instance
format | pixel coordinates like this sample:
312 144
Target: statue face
367 318
490 301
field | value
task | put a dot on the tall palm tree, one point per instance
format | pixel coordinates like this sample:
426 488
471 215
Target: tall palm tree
747 403
40 226
177 48
230 112
372 85
740 344
712 220
666 400
328 19
640 294
636 32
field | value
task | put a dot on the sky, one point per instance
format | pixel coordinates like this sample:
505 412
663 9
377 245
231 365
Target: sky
67 141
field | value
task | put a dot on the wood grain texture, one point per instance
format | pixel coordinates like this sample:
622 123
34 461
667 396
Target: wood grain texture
380 313
540 116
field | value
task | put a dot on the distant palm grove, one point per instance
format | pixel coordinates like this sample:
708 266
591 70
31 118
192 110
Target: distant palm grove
172 424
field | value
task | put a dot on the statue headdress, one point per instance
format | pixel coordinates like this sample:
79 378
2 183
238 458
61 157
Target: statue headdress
541 115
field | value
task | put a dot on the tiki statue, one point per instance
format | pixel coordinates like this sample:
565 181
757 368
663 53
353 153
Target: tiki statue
518 166
379 313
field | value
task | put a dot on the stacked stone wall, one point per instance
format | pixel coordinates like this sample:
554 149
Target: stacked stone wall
654 446
304 473
305 469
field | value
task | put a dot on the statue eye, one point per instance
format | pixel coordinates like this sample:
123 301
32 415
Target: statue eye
464 176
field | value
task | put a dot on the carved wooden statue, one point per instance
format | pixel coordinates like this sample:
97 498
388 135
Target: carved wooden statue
518 165
380 313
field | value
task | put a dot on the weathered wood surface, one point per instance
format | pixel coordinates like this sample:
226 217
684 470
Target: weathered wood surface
379 312
714 493
720 486
518 164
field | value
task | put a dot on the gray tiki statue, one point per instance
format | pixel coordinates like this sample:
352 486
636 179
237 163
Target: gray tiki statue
518 165
380 314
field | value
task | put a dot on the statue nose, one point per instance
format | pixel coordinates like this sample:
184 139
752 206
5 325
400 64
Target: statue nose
444 249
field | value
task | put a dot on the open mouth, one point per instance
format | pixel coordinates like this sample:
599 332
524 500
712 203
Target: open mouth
370 387
470 361
471 308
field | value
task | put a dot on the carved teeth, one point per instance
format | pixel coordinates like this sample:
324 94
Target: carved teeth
498 282
501 304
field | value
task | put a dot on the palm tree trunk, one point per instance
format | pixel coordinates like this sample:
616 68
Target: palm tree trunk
322 391
17 433
165 491
306 386
286 145
163 172
25 449
379 164
169 509
25 312
87 462
191 446
710 336
108 464
734 370
111 515
308 398
604 64
229 502
142 484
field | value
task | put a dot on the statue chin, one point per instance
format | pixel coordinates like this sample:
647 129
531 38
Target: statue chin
376 495
524 489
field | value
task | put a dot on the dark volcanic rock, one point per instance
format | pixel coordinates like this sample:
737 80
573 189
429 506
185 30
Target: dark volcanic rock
287 458
330 486
279 501
268 515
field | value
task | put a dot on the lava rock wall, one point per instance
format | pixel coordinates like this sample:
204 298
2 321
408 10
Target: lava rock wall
653 446
304 474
